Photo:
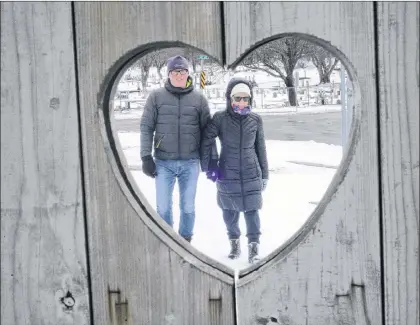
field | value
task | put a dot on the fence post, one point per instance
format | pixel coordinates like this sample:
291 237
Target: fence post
308 94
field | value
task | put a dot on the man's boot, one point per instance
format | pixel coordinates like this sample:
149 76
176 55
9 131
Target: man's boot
235 249
188 239
253 253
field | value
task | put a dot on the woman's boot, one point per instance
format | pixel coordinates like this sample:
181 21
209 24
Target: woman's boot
235 249
253 253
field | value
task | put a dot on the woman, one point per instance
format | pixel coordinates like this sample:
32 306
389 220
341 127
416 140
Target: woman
242 170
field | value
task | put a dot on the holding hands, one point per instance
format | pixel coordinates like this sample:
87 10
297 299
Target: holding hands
213 172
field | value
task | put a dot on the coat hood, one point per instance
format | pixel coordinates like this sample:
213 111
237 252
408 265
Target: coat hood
232 83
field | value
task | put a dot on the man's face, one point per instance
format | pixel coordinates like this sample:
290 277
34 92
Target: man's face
178 78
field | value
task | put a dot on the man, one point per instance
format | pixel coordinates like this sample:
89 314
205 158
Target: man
177 115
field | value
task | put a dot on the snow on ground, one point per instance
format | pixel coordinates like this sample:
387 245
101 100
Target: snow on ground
137 113
292 193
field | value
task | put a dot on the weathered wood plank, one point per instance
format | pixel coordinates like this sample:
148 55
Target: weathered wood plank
43 257
163 279
398 41
310 279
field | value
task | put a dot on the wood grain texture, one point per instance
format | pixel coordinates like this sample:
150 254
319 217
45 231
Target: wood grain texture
339 247
43 253
163 279
398 43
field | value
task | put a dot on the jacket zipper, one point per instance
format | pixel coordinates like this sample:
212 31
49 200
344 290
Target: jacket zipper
240 166
160 140
179 127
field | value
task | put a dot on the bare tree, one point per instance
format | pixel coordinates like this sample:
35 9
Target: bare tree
215 72
279 58
324 61
302 64
191 55
160 58
128 75
144 64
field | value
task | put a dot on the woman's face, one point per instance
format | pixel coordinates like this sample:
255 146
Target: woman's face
241 99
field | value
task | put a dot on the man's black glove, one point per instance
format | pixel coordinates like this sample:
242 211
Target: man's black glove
148 166
213 172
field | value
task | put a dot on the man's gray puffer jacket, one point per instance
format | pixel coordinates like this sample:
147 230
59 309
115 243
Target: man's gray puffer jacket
243 158
178 117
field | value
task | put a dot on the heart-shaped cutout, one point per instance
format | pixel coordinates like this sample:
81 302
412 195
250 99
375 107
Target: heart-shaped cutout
298 93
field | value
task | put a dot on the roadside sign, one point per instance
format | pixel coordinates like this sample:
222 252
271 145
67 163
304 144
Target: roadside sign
202 79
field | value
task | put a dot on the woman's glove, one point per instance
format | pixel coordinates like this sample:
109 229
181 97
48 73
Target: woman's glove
213 173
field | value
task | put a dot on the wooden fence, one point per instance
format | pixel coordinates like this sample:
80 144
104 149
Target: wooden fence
81 245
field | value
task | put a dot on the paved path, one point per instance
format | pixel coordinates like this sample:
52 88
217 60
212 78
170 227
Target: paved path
319 127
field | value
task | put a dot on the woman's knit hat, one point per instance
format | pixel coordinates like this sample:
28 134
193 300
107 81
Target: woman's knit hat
240 88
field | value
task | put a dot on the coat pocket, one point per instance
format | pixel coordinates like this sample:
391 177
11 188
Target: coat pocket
195 142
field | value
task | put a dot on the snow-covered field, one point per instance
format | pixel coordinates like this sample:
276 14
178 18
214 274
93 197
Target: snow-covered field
294 189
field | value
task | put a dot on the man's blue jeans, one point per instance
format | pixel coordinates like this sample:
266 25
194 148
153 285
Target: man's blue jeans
186 171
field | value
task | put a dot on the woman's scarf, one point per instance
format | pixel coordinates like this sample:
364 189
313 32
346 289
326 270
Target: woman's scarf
244 111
